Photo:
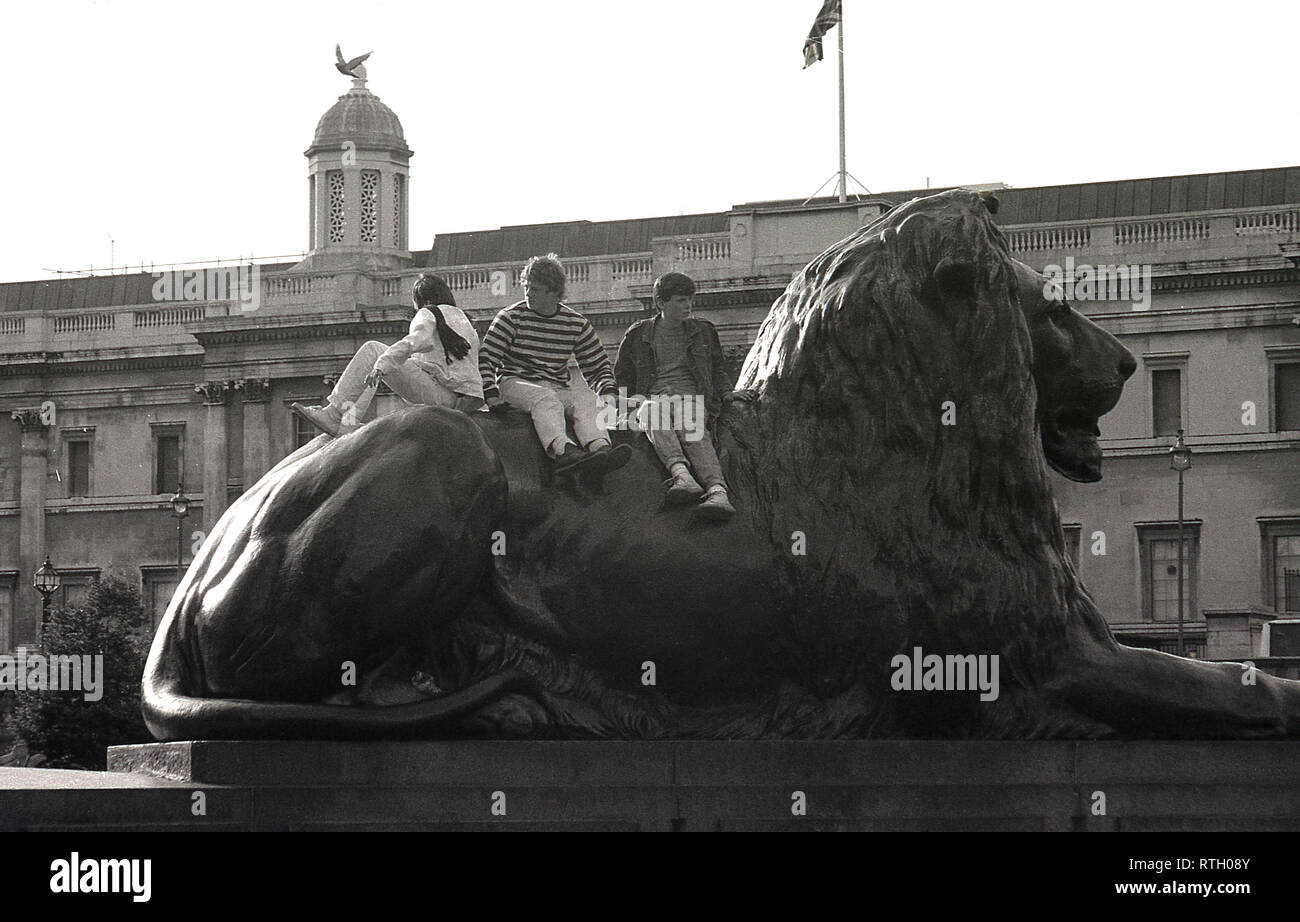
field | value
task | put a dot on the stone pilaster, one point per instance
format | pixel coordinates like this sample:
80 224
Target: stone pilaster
215 396
257 428
34 469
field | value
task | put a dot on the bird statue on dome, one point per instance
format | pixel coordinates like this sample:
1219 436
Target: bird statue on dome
354 68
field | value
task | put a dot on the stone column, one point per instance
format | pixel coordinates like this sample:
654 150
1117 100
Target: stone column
257 430
215 394
34 471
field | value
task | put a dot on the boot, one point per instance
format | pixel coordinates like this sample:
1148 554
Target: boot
715 507
608 457
570 458
682 487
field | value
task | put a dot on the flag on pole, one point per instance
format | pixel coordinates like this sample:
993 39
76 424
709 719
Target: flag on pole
825 21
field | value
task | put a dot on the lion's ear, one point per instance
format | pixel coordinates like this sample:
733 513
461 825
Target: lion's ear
955 281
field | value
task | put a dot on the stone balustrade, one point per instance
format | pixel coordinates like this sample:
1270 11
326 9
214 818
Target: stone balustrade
610 279
1211 235
169 316
83 322
705 248
1267 222
1169 230
1063 237
485 287
59 331
295 286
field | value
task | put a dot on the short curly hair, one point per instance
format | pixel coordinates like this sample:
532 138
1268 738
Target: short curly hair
545 270
672 284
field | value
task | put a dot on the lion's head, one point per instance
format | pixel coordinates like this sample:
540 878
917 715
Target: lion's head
920 294
1079 370
913 385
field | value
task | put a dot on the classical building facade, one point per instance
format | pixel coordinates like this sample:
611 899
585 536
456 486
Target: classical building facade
123 388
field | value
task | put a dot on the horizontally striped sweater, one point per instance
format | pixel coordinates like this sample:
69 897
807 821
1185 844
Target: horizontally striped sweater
523 344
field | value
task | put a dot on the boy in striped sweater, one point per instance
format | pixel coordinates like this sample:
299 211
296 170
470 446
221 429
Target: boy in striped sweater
524 362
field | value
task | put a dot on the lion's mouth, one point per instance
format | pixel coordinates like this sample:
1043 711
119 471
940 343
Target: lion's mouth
1070 444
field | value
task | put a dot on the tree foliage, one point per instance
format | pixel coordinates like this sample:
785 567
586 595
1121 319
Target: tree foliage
70 731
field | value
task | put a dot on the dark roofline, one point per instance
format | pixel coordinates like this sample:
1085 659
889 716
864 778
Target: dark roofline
1101 201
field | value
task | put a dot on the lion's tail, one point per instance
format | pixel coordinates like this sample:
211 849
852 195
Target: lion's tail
171 714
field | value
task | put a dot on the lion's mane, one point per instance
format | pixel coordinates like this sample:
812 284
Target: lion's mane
917 532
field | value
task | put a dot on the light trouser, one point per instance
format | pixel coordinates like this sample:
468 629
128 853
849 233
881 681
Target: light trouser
410 382
549 405
678 436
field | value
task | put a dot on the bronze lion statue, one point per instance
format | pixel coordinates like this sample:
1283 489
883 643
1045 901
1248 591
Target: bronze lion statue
888 452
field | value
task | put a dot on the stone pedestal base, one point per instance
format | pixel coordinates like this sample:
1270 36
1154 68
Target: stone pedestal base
875 785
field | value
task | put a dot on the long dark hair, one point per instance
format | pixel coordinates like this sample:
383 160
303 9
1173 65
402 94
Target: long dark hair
430 291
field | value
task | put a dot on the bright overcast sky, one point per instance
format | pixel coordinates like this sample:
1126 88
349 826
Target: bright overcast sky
178 129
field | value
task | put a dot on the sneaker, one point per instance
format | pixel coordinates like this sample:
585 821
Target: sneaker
715 507
682 489
610 457
570 458
327 419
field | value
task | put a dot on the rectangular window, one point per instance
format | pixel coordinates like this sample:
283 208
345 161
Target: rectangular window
1159 557
399 210
73 587
303 431
1290 588
337 216
1167 400
78 467
159 584
8 582
1280 552
1072 536
167 463
1191 649
1286 395
369 206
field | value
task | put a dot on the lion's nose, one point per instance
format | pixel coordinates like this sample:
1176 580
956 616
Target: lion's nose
1127 364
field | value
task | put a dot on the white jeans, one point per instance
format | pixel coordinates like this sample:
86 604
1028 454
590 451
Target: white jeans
409 381
549 405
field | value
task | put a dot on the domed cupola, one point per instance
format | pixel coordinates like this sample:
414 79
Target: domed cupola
358 177
362 118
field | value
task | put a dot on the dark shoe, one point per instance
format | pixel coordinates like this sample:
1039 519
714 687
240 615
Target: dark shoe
610 457
571 457
715 507
327 418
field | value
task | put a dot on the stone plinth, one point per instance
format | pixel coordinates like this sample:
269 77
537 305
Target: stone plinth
871 785
878 785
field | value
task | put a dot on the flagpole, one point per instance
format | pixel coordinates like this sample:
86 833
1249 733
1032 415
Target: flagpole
843 161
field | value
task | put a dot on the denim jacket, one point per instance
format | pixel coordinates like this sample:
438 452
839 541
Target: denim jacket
635 367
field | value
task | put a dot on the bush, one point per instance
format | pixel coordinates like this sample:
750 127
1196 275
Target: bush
68 730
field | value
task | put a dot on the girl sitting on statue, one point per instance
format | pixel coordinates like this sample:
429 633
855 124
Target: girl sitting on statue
435 365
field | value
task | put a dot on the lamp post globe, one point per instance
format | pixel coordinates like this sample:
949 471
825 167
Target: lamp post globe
47 579
46 582
180 504
1180 455
180 509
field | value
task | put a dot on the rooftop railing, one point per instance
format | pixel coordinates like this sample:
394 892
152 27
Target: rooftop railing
616 281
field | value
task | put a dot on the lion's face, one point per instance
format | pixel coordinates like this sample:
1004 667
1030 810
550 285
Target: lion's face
1080 371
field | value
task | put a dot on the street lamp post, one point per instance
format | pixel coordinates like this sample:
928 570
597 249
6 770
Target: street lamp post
46 582
1180 460
180 509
